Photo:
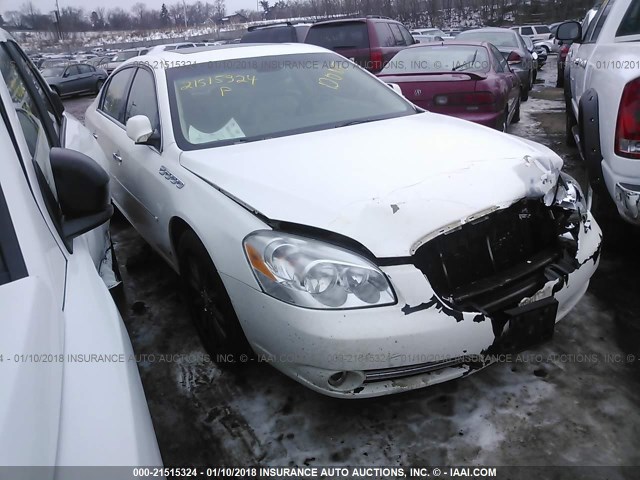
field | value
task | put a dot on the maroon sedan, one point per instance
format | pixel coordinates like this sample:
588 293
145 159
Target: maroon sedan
468 80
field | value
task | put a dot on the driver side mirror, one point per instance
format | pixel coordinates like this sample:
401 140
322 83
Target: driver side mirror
139 129
569 31
83 193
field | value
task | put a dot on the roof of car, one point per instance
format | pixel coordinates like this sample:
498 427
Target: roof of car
356 19
451 42
489 29
230 52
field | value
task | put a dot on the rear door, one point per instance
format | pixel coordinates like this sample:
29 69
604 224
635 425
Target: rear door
107 125
87 77
70 82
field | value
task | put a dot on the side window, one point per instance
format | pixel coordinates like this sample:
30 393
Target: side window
630 24
142 99
71 71
85 68
385 37
501 63
34 125
589 35
526 31
12 265
115 94
38 83
408 39
603 17
397 36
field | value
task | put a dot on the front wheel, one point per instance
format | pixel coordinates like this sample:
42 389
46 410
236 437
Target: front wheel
210 306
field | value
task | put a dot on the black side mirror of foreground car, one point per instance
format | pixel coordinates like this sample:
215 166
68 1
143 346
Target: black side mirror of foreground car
83 193
571 31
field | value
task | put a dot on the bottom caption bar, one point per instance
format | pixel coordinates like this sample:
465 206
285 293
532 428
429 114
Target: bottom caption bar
327 473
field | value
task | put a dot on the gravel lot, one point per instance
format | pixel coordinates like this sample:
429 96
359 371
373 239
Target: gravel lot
573 401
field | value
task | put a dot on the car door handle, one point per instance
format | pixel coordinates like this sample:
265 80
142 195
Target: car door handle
117 157
95 135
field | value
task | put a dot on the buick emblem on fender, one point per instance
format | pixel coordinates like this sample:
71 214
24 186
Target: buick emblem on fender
417 92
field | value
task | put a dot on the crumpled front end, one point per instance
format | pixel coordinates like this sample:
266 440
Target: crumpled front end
491 283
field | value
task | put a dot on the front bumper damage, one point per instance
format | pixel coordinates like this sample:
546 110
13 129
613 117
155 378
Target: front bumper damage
430 335
496 281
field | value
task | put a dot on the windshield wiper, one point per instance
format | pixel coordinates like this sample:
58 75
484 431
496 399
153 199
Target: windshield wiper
356 122
470 62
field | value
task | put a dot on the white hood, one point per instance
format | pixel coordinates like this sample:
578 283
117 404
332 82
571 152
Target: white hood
386 184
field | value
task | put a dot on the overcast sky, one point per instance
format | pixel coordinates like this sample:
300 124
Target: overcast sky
48 5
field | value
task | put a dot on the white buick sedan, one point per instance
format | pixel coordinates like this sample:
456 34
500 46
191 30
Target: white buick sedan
361 245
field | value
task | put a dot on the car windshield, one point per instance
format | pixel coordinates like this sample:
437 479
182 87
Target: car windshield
438 58
221 103
499 39
122 56
53 72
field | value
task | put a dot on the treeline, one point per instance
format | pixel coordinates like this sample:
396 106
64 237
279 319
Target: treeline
412 12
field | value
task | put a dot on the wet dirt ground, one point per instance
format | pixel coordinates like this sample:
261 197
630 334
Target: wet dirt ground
573 401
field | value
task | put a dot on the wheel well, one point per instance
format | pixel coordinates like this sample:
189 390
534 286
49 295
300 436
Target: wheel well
177 226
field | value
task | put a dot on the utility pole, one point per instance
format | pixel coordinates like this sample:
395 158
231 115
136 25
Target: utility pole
58 23
184 7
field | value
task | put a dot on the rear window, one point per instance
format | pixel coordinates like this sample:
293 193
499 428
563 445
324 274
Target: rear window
343 35
499 39
630 24
445 58
270 35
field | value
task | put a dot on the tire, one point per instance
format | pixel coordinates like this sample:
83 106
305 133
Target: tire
546 49
559 80
570 122
516 114
211 310
505 120
531 79
99 84
524 93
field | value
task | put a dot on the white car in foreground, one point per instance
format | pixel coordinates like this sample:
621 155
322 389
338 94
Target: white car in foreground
360 244
70 392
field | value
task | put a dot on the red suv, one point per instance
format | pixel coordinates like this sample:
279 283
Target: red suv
371 42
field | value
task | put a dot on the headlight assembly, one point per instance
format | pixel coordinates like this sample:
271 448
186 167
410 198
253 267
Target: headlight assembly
314 274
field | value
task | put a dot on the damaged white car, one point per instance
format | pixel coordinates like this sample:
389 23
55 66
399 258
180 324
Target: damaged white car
360 244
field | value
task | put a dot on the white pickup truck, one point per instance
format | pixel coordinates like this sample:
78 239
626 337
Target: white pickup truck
602 91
